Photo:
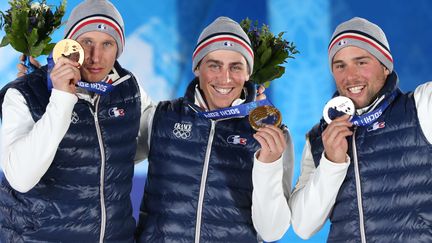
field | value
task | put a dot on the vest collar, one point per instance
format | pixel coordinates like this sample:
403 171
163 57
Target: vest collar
194 94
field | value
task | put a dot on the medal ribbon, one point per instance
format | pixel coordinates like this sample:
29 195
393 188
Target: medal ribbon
370 117
101 87
233 111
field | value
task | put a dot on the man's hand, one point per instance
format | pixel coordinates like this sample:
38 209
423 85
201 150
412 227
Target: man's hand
272 141
335 141
260 93
22 69
65 74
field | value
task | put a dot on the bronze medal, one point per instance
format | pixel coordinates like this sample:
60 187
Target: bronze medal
70 49
263 115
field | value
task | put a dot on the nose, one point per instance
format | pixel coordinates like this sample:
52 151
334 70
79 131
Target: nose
352 72
226 75
95 53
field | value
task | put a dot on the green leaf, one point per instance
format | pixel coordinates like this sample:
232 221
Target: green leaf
43 48
16 36
262 47
266 56
18 43
48 48
269 74
278 58
32 39
245 24
257 63
4 42
36 50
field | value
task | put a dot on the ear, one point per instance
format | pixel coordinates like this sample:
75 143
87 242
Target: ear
386 71
196 72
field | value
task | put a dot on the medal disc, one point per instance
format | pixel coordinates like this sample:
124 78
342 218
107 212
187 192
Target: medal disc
70 49
262 115
337 107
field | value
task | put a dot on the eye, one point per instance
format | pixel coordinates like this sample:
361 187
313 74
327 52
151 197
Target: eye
236 68
86 42
338 66
214 66
108 44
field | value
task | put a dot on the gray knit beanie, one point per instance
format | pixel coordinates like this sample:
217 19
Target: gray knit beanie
223 34
96 15
361 33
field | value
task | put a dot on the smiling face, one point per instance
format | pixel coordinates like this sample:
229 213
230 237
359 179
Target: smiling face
358 75
100 51
222 75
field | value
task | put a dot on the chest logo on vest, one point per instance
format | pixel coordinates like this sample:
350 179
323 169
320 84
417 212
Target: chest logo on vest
74 118
236 139
182 130
376 126
116 112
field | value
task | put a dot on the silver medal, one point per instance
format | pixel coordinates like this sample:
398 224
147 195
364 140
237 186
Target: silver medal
338 107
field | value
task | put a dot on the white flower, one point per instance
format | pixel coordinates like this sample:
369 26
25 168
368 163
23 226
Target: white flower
38 6
45 7
35 6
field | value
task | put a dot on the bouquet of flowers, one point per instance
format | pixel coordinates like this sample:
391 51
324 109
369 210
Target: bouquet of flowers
28 26
270 52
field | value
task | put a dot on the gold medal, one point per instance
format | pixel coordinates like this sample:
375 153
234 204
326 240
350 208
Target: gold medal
263 115
70 49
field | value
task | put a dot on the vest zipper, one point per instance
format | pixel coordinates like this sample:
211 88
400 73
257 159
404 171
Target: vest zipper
203 183
102 171
358 189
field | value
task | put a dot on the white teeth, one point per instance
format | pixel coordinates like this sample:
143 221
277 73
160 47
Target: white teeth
223 91
356 89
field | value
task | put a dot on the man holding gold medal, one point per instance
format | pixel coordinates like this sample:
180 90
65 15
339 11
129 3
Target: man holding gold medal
211 176
69 133
368 171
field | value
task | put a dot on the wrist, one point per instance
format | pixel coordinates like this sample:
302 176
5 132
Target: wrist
338 159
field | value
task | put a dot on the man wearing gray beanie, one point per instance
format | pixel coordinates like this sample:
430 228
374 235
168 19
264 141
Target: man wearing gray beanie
208 178
370 172
68 151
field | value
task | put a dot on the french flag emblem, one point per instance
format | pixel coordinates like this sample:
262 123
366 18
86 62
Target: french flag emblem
376 126
116 112
236 139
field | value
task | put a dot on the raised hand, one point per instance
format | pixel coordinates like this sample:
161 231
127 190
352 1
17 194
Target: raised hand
260 93
65 74
22 69
335 141
272 141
